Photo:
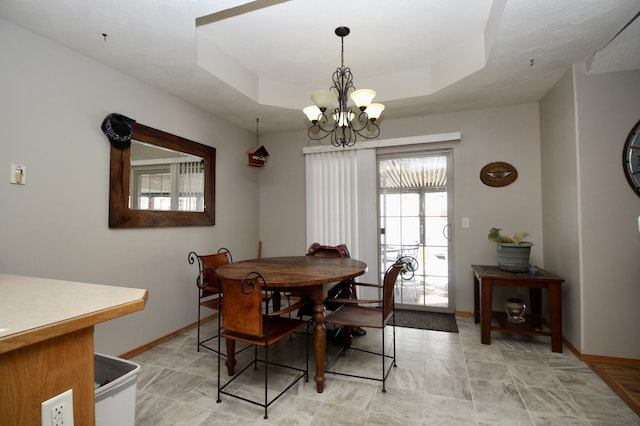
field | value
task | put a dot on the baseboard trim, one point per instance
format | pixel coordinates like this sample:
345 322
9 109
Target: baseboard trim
154 343
572 348
610 360
587 358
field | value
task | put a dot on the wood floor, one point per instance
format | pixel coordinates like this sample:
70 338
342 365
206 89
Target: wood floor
623 379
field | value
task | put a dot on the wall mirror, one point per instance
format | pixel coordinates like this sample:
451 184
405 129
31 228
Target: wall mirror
161 180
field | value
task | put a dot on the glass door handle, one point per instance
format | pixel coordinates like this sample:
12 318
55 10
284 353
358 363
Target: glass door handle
445 231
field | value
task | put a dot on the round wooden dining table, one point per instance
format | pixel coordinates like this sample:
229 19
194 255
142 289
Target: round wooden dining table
303 274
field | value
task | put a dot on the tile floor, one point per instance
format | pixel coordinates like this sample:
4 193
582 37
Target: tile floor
441 379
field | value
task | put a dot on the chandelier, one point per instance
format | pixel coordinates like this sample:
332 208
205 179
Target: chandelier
333 116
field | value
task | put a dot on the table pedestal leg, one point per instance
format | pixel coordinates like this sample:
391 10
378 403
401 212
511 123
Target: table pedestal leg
231 356
319 336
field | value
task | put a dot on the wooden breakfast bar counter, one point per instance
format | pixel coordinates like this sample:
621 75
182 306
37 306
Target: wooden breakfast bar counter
46 342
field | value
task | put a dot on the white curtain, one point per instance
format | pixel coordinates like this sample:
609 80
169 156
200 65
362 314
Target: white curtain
342 203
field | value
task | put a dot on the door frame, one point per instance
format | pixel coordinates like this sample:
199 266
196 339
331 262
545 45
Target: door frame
448 153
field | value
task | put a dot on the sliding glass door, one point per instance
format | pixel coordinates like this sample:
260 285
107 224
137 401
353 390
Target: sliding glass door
415 213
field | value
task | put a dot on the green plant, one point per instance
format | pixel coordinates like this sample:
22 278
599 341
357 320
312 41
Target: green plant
498 239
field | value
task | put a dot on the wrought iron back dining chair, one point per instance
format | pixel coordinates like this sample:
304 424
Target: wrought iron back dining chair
246 317
361 313
208 289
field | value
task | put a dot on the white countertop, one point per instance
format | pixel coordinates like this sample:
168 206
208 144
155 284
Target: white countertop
28 303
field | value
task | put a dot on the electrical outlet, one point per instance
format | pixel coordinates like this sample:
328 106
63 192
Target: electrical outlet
57 415
58 411
520 290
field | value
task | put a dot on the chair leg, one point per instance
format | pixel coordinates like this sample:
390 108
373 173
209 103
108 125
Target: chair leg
198 341
384 380
219 357
266 375
255 357
393 326
265 404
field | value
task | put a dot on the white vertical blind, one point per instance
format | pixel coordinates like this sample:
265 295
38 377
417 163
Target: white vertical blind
341 203
191 186
368 213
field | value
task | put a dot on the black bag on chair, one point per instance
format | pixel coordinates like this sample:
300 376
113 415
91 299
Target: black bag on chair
343 290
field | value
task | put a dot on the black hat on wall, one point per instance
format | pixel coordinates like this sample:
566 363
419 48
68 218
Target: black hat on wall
118 129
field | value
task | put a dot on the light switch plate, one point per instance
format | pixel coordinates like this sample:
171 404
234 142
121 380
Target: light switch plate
18 174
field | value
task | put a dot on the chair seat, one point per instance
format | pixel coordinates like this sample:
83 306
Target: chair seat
212 303
209 291
279 327
356 316
360 313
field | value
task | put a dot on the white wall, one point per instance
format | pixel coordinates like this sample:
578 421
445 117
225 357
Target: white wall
52 103
608 107
508 134
590 212
560 200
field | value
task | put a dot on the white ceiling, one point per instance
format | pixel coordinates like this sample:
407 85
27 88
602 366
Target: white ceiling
262 59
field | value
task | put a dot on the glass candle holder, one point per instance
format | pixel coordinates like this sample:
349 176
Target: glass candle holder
515 309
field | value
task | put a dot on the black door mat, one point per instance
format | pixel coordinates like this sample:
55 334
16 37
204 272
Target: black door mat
438 321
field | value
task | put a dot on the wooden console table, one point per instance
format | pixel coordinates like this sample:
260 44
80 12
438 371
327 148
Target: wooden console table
46 342
486 277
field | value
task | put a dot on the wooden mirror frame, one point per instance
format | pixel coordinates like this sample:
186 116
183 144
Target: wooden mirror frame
121 216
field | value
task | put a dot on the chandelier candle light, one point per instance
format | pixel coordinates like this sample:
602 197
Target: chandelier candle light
341 122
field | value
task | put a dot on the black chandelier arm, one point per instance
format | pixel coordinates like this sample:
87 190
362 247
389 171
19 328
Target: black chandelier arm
340 136
360 122
317 133
373 130
343 136
363 123
320 127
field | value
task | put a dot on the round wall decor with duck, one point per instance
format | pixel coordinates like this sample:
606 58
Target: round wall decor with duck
631 158
498 174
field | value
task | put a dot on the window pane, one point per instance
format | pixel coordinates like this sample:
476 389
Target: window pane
411 204
435 234
393 205
435 203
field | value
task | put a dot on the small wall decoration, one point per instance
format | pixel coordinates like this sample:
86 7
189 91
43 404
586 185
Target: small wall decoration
498 174
631 158
258 156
